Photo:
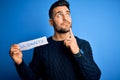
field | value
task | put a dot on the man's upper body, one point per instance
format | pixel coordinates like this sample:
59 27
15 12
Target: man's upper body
66 57
55 61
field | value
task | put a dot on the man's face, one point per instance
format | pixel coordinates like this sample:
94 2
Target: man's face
61 19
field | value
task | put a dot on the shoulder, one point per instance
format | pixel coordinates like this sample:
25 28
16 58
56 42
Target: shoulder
82 42
84 45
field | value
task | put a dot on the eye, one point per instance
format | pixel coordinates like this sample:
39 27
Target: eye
68 14
59 15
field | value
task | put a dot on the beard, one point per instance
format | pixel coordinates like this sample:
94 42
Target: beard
64 29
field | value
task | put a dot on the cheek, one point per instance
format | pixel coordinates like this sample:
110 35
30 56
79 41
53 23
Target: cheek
58 21
70 20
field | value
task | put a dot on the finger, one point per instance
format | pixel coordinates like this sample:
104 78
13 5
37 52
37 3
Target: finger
15 46
14 52
67 39
14 49
71 33
67 42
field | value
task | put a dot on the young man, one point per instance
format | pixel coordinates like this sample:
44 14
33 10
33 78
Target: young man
66 57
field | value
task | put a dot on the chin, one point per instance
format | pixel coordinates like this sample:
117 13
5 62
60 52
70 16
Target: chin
63 30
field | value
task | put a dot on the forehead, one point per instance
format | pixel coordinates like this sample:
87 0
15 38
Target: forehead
60 8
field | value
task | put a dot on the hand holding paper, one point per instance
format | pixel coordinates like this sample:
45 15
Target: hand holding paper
16 49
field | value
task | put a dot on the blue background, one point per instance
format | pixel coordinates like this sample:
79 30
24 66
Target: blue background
97 21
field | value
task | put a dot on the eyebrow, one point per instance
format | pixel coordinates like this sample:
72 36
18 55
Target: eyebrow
61 12
58 12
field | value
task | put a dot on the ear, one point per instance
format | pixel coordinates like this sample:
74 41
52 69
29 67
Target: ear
51 22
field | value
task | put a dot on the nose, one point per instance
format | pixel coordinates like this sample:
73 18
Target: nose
64 18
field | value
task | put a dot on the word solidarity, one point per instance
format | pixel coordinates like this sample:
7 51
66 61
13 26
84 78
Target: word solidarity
33 43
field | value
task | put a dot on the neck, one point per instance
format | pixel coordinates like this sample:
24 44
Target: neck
60 36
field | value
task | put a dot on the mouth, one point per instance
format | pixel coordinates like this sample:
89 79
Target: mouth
66 24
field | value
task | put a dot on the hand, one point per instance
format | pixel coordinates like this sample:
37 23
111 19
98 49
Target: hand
71 43
16 54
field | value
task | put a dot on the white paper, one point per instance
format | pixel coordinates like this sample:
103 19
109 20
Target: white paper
33 43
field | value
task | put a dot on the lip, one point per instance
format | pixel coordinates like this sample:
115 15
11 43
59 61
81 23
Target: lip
66 23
